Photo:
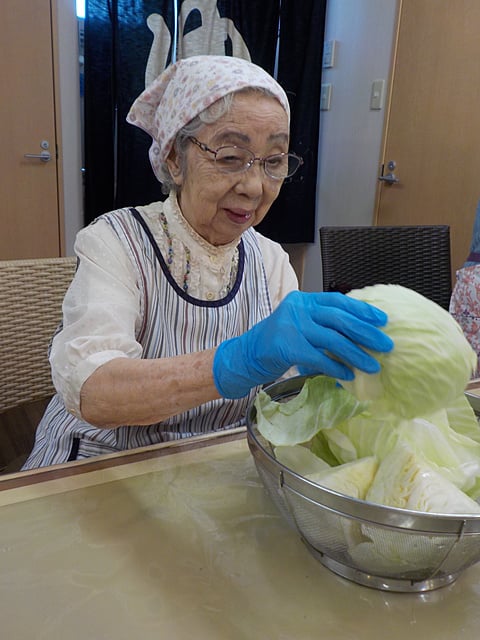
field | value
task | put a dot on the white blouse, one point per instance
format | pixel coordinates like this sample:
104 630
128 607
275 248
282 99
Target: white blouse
101 309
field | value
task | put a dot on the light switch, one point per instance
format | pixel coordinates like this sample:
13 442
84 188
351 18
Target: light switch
329 47
376 97
325 97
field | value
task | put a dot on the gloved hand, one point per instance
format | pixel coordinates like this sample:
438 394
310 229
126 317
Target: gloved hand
318 332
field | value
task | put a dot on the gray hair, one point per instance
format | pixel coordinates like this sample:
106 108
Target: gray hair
210 115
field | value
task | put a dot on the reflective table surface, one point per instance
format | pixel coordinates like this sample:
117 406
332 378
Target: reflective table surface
181 541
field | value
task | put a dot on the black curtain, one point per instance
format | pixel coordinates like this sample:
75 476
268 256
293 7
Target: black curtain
118 44
292 216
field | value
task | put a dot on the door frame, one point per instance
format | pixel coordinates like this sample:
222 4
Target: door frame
388 106
68 119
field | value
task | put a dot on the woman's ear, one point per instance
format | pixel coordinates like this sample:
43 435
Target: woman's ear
174 168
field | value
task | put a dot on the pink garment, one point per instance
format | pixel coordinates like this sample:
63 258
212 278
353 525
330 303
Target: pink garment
188 87
465 304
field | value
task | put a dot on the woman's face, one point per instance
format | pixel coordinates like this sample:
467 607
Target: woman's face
219 206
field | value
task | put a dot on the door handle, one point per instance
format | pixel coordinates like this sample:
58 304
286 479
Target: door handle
389 178
44 156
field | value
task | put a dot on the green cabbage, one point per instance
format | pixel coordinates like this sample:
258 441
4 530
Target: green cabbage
411 420
300 459
430 363
382 554
452 454
353 479
447 442
405 480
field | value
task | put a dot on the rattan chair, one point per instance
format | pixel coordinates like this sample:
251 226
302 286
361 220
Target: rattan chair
31 294
417 257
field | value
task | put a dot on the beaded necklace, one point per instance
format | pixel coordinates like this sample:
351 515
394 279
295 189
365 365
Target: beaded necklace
188 256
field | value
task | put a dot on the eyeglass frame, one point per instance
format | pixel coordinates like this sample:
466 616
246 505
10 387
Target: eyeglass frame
249 164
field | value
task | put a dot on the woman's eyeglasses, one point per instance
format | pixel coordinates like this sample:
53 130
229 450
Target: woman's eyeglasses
238 160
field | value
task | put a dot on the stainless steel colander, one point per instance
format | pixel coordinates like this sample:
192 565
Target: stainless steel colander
381 547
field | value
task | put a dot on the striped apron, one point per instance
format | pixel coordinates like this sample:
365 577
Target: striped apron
172 323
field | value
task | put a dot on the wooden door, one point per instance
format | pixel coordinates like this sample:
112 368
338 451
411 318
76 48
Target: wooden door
432 128
30 216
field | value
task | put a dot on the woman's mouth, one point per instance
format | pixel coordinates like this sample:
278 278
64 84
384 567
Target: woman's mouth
239 216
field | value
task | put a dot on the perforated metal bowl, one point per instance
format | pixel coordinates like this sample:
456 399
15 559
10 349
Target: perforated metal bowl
381 547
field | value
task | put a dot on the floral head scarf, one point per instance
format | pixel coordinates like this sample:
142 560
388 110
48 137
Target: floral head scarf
188 87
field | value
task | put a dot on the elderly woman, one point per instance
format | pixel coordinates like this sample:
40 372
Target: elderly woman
179 310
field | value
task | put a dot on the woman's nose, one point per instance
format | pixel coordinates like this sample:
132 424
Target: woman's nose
252 180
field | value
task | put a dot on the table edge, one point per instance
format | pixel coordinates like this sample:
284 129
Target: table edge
107 461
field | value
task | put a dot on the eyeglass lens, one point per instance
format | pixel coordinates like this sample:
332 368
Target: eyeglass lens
236 159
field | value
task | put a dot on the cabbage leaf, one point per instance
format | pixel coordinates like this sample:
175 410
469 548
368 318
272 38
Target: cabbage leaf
320 403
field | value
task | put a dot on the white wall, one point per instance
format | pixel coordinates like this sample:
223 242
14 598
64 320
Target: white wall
350 132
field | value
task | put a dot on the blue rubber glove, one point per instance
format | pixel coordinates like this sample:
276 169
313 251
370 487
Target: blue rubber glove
320 333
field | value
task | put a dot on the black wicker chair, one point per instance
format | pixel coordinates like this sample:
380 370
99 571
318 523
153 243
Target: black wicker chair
417 257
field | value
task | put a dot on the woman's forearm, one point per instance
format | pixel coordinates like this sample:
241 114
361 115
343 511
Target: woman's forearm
128 391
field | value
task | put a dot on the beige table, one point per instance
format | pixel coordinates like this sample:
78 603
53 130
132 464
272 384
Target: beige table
181 542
